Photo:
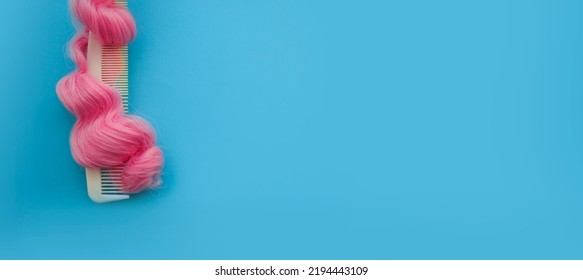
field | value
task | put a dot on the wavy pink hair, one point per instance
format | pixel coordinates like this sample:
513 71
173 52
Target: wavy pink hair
103 136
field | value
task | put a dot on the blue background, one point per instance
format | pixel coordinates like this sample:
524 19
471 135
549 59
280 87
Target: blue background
311 129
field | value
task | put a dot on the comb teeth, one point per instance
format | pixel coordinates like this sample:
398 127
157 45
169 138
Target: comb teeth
123 3
114 71
111 181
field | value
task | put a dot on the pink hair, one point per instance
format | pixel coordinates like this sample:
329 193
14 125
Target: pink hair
103 136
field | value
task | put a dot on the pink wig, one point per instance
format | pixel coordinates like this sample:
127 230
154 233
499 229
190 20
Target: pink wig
103 136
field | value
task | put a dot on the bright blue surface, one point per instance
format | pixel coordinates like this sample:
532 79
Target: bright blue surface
326 129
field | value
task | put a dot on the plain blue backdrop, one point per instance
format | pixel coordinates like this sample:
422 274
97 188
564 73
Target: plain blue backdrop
311 129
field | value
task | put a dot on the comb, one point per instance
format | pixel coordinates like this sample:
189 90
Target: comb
110 65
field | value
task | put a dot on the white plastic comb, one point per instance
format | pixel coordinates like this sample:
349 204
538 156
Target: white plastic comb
110 65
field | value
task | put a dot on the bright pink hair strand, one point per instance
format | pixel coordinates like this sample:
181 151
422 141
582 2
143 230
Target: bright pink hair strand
103 136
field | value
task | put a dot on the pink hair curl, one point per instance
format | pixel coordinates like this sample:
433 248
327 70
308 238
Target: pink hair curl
103 136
